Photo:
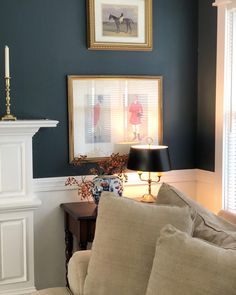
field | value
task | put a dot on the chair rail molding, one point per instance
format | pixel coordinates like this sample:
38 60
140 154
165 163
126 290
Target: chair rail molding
17 203
58 183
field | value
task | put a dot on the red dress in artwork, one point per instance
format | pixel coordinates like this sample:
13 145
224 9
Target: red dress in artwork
136 111
96 114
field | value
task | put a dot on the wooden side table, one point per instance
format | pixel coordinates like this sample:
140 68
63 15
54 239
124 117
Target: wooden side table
80 221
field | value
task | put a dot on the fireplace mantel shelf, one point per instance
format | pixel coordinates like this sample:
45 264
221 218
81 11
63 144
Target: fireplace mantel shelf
28 123
29 127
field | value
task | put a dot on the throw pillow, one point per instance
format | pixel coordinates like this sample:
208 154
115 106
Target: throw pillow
184 265
124 244
208 226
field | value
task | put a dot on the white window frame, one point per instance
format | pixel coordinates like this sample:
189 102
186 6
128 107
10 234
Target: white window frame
222 70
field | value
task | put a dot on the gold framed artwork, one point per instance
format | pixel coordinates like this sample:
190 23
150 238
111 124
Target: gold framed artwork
120 25
108 114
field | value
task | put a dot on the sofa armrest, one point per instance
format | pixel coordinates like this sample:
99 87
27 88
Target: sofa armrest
77 271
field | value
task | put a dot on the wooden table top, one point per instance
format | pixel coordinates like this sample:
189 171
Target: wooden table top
81 210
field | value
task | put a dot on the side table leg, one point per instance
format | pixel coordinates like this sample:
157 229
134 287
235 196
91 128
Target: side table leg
83 246
68 244
83 239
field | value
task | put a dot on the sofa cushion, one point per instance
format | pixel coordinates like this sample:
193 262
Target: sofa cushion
184 265
208 226
124 244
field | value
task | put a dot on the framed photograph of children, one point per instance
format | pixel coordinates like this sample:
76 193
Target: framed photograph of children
120 25
108 114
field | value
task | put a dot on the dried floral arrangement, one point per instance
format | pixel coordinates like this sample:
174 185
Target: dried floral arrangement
85 187
115 164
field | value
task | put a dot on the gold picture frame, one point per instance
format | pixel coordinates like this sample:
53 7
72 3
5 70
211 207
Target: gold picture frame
116 25
103 118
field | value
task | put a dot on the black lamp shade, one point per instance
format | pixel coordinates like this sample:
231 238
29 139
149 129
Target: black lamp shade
153 158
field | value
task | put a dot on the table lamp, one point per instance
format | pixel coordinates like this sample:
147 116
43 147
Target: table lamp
149 158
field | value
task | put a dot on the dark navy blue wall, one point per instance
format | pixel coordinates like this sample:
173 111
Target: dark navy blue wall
206 85
47 41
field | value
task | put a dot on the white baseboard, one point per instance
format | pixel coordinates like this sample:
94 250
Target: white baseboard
22 291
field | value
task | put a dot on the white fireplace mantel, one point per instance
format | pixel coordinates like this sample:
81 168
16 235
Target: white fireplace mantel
17 202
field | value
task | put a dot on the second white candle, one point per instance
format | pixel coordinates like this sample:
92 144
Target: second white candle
7 64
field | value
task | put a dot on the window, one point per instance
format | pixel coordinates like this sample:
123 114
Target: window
230 114
225 147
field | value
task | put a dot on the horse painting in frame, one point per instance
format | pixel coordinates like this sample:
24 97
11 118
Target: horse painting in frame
118 25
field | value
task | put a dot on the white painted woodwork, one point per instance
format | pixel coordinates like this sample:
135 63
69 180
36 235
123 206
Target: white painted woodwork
229 4
13 250
17 203
12 155
221 69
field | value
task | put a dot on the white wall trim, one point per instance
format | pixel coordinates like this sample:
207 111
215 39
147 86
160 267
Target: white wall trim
223 9
23 291
16 204
222 2
220 93
231 4
185 175
58 183
51 184
205 176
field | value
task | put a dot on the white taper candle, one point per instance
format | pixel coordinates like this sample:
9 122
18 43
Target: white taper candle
7 65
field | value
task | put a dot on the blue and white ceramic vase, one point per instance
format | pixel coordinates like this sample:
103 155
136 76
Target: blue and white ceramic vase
109 183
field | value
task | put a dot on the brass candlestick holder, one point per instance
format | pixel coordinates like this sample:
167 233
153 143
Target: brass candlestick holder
8 116
149 198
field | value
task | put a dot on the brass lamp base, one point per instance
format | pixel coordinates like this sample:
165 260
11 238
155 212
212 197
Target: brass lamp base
148 198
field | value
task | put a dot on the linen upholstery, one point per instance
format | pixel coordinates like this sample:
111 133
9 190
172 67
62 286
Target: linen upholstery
77 271
184 265
53 291
208 226
124 244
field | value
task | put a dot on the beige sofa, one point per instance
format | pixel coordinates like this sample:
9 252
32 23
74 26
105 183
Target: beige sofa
203 221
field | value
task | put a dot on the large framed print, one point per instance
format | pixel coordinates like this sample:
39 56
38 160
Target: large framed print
108 114
119 24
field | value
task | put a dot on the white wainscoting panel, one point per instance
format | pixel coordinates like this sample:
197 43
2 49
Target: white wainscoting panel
13 251
16 252
12 180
